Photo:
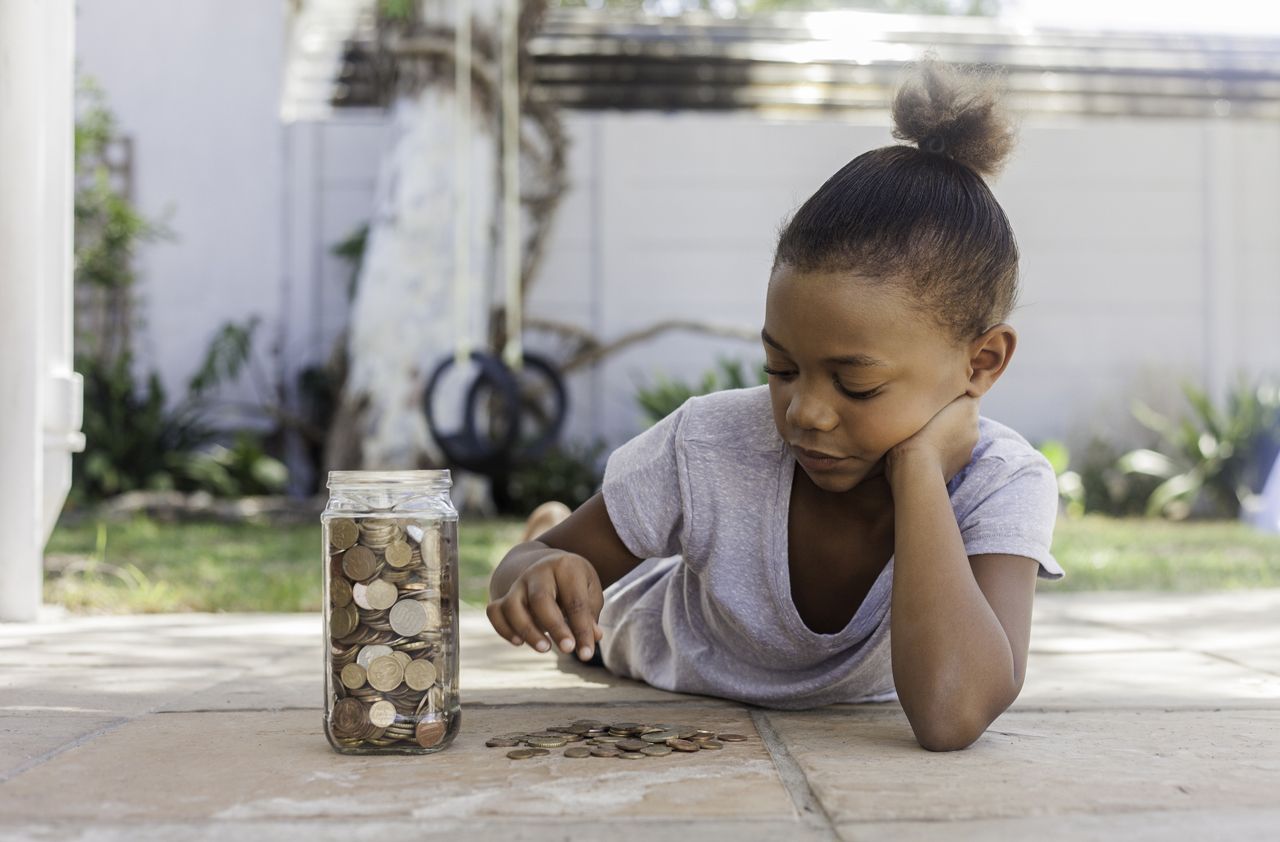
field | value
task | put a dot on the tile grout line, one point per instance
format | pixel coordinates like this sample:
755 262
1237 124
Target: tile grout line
806 801
54 752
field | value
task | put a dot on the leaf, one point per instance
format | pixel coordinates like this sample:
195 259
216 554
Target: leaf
1149 462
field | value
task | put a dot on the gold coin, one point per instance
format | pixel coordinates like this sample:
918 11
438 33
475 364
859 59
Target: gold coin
353 676
382 713
381 595
711 744
546 742
420 674
359 563
342 533
339 592
501 742
429 732
731 738
577 751
408 617
348 718
631 745
683 745
631 755
604 751
343 621
656 750
403 657
398 554
660 736
526 753
385 673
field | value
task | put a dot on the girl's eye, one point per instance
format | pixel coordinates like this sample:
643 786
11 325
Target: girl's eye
862 396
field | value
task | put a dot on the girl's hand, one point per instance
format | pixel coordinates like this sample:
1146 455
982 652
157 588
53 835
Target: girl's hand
948 439
561 585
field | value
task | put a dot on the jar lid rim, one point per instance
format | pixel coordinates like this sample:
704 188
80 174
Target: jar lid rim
440 476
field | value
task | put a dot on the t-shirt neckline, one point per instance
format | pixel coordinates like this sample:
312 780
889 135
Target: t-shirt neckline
858 626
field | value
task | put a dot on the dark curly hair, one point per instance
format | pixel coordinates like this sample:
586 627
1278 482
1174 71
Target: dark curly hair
922 216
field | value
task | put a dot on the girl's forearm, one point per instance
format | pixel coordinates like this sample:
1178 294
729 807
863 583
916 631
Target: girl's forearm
952 663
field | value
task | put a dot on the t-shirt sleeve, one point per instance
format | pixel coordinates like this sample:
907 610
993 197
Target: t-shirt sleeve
1018 515
646 489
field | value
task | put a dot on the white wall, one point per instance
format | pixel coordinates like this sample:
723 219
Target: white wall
197 86
1147 244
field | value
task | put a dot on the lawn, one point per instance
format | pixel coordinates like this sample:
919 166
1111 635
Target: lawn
143 565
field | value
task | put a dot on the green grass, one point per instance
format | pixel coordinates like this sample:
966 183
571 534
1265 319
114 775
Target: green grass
143 565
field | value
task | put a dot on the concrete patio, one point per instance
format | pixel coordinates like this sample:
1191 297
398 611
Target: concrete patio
1144 717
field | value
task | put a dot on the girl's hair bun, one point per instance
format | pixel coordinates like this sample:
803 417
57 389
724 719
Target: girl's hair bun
947 111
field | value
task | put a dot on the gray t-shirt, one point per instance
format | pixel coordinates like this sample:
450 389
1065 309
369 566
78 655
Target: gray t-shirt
703 495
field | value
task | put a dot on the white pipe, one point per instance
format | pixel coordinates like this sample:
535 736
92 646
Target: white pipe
21 242
512 353
64 395
462 182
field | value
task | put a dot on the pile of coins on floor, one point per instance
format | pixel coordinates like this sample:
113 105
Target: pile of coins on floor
391 615
624 740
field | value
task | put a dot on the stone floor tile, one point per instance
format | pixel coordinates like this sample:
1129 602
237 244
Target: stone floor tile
532 829
865 766
1156 678
1237 825
259 766
30 734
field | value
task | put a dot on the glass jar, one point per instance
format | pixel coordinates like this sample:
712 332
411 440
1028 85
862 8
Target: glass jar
390 544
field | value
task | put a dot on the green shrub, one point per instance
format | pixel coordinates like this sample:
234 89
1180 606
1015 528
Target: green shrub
665 395
1209 462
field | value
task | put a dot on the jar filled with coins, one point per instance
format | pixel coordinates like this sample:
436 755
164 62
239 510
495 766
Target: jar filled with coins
390 618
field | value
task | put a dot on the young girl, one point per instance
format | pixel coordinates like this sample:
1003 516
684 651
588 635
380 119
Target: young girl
853 531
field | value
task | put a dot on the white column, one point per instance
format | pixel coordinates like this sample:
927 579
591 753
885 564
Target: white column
36 101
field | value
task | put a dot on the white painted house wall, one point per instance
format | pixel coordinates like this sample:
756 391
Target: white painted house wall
1147 246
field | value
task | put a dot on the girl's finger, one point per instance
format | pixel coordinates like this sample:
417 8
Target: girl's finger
522 621
500 624
547 614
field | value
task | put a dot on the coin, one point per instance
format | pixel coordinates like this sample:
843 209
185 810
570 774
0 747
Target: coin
403 657
683 745
526 753
339 592
382 713
631 745
359 562
656 750
398 554
420 674
429 732
342 533
348 717
711 744
577 751
660 736
385 673
360 596
631 755
501 742
368 653
604 751
546 742
408 617
353 676
381 595
731 738
344 621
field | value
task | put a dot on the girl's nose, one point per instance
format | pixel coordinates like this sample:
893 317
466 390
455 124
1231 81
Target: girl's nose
809 413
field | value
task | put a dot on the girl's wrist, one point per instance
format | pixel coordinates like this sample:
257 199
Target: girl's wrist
903 464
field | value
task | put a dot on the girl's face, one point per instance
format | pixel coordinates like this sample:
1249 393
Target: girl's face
904 371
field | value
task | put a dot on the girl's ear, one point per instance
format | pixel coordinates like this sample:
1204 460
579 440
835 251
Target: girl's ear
989 356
